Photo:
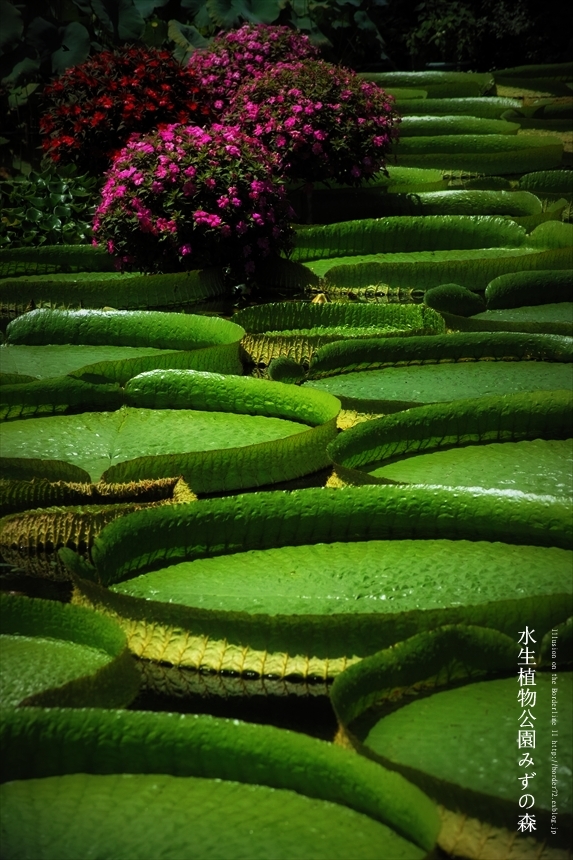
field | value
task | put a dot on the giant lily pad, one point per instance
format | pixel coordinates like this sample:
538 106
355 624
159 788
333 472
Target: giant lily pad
425 269
514 443
373 376
97 290
469 776
540 466
30 539
405 234
55 654
136 742
296 330
316 595
226 432
556 318
116 345
184 818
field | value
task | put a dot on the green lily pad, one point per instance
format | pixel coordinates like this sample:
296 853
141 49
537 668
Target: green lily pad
555 318
46 361
541 466
116 345
45 743
558 312
96 441
229 432
70 816
473 269
305 611
381 577
512 443
439 383
55 654
460 743
482 776
296 330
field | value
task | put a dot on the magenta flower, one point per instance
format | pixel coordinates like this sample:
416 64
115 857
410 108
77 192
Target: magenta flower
329 124
198 199
239 54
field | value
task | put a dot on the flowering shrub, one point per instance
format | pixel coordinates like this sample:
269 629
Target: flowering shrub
94 107
323 120
238 54
184 197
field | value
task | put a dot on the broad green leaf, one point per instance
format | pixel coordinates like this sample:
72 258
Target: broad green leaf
348 356
416 193
543 156
477 202
297 329
438 85
54 258
552 181
513 418
492 107
556 318
20 291
220 435
400 234
416 126
540 466
143 340
98 441
486 786
58 655
59 359
473 269
432 383
474 144
121 328
91 741
284 621
184 817
155 538
474 777
529 288
74 47
385 578
426 662
57 394
557 71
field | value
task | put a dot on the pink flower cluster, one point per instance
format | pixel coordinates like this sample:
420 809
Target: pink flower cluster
324 121
187 197
238 54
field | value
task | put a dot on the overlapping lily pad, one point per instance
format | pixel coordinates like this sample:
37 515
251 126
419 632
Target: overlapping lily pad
296 330
375 376
41 516
60 655
93 289
468 776
219 432
216 750
184 817
298 586
554 318
518 443
113 346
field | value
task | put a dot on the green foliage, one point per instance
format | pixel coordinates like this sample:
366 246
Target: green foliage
47 207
